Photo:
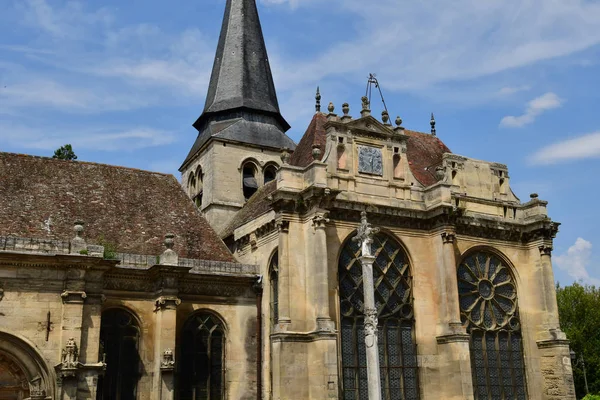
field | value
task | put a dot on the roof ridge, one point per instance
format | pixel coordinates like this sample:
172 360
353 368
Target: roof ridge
87 163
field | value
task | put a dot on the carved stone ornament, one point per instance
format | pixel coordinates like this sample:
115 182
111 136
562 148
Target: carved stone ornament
167 302
283 226
370 326
545 250
320 221
285 156
448 237
69 363
370 160
168 360
365 102
73 296
365 234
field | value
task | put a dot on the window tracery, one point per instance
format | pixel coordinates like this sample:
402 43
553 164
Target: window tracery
201 375
488 304
393 300
274 278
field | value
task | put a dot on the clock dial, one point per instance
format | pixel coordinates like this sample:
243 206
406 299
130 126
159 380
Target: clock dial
370 160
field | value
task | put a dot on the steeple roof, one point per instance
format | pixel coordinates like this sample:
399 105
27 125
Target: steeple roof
241 85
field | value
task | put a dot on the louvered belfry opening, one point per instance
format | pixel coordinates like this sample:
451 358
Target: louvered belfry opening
394 303
201 359
119 344
488 304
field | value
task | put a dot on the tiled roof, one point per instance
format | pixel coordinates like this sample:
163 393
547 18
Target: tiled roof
424 153
128 208
256 206
314 135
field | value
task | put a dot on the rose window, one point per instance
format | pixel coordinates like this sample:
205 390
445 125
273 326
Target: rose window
488 298
488 305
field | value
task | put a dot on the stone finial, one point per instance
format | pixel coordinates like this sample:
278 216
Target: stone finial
331 108
365 103
533 196
432 123
78 245
316 152
345 109
169 256
399 128
285 156
318 100
385 117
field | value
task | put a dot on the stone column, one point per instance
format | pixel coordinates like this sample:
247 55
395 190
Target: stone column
365 237
555 360
450 288
371 342
324 323
549 291
284 319
166 276
453 344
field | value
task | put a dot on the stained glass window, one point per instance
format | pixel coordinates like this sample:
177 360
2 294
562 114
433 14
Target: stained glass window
119 340
488 304
393 300
201 359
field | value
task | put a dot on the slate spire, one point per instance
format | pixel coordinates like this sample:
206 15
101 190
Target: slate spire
241 76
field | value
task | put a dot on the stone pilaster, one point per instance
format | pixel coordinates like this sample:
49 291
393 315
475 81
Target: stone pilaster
453 344
555 360
324 322
166 322
284 319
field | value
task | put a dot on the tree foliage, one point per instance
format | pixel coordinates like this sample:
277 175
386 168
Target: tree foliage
65 153
579 310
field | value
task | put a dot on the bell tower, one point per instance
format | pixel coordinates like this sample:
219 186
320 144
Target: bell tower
241 131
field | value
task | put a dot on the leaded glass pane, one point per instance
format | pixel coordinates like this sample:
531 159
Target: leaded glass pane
393 298
488 303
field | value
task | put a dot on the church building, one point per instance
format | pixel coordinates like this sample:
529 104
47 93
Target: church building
242 280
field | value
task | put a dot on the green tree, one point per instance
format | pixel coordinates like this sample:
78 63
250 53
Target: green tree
65 153
579 310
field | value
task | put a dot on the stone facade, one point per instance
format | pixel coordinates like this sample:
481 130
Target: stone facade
255 292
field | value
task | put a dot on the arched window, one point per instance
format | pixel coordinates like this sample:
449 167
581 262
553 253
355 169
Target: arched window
249 183
201 368
119 342
393 300
488 304
192 184
197 196
274 278
270 173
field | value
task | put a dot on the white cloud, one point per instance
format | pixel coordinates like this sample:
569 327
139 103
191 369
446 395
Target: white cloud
576 262
509 90
103 139
534 108
586 146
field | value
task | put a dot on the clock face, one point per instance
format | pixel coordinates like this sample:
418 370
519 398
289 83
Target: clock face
370 160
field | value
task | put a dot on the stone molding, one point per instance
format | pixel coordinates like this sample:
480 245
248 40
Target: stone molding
73 296
449 237
545 250
302 337
453 338
167 303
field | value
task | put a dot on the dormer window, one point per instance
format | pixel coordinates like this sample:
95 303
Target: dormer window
249 183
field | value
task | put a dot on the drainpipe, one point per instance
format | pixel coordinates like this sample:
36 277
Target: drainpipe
258 288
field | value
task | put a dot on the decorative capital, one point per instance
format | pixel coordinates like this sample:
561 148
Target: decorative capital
448 237
283 226
168 360
545 250
320 221
73 296
167 303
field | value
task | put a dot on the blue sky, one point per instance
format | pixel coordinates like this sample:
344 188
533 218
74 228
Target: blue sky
511 81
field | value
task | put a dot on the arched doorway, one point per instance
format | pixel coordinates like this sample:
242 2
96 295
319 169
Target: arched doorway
14 385
202 359
393 300
119 342
23 371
